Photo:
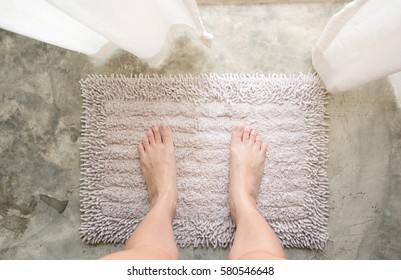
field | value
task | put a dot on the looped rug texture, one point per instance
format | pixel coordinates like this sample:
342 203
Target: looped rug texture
289 112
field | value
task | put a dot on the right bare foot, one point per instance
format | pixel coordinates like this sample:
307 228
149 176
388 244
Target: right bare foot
247 158
157 156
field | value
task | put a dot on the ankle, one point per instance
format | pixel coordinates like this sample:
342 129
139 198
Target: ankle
243 197
241 207
166 204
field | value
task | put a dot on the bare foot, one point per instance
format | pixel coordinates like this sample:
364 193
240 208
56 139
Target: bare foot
157 156
247 158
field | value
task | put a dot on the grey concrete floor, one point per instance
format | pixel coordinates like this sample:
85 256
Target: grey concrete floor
40 113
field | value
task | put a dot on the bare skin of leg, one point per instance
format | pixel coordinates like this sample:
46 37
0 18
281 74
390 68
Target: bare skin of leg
153 238
254 238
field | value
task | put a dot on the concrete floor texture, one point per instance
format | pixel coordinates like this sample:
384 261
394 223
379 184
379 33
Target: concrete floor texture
40 128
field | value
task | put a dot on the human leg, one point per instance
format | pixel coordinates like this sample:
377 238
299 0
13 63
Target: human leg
254 238
153 238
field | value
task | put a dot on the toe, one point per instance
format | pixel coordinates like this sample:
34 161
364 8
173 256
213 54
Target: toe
259 141
252 136
263 148
156 133
141 150
236 134
151 137
165 133
246 134
145 143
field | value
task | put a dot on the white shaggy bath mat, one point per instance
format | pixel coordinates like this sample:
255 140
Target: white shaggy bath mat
288 112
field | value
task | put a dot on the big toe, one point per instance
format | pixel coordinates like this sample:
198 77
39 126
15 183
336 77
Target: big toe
166 133
236 135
